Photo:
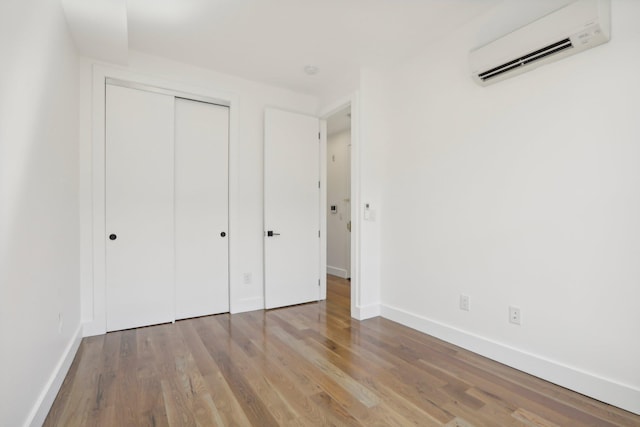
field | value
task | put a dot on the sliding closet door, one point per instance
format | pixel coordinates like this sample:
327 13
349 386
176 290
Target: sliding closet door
139 208
201 208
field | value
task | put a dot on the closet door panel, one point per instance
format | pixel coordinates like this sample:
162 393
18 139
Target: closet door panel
201 208
139 208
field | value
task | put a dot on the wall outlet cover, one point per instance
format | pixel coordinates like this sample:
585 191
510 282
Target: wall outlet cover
514 315
247 279
465 302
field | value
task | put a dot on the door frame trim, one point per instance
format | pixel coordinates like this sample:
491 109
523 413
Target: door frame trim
94 301
352 100
165 91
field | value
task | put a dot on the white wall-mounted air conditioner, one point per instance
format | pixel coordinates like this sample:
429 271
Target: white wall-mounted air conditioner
576 27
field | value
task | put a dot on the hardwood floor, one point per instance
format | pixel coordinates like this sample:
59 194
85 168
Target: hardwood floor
305 365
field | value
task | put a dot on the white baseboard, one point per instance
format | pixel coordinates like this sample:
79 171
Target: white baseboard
247 304
612 392
339 272
92 328
41 407
363 312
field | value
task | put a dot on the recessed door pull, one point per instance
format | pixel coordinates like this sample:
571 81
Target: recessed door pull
112 237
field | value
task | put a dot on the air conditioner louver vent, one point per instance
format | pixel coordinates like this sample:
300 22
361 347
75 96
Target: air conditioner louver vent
527 59
576 27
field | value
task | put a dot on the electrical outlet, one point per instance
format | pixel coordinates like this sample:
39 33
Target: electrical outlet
514 315
464 302
247 279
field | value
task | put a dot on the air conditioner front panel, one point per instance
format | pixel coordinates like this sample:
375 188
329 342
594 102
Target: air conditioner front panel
572 29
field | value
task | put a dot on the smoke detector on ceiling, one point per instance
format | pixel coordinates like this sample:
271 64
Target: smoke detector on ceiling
311 70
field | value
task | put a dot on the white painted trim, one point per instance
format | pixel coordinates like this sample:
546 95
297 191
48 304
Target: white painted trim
337 106
164 91
41 407
90 329
353 100
606 390
248 304
365 312
323 209
236 267
97 324
339 272
356 200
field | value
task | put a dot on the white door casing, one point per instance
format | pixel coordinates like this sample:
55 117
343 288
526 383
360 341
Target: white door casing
291 208
201 208
347 210
93 178
139 208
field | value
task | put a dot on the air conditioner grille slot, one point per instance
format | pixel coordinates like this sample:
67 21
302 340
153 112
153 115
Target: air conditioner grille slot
527 59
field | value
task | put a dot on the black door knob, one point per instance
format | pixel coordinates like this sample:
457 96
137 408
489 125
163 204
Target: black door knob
112 237
223 234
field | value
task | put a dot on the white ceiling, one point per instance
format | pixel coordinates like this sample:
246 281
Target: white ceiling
99 28
273 40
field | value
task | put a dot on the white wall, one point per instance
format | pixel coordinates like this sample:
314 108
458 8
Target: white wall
39 208
338 177
246 254
369 168
522 193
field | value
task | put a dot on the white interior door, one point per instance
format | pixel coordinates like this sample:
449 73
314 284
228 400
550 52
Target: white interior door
139 208
291 208
201 208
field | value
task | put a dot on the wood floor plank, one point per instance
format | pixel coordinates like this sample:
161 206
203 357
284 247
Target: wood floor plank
253 407
228 408
82 390
306 365
570 398
274 364
377 378
532 420
410 381
108 378
313 377
150 400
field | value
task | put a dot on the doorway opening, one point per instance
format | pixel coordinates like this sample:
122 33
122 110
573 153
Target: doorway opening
339 196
